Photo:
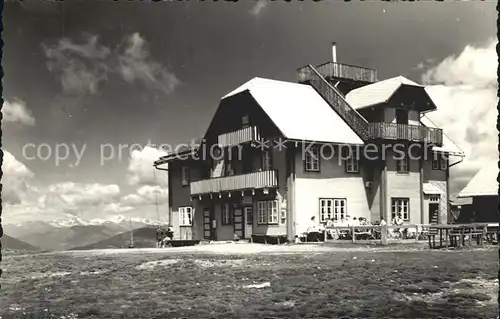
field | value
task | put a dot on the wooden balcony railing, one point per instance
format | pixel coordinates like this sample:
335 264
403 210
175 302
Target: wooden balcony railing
263 179
341 71
244 135
412 133
336 100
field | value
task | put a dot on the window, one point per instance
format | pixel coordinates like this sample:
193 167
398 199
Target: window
401 206
184 175
403 163
443 163
283 216
401 116
434 199
352 163
249 215
229 169
267 212
228 164
439 162
225 214
435 163
185 216
332 208
245 121
311 161
267 161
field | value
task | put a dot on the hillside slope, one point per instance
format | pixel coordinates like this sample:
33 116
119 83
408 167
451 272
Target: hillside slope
16 244
143 238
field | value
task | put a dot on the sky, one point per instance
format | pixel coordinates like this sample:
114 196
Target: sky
89 85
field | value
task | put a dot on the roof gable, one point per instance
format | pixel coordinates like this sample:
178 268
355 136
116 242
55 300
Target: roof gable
448 146
298 111
484 183
380 92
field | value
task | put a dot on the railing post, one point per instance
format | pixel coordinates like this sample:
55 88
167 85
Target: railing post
353 234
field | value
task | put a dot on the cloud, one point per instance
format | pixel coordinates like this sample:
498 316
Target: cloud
117 208
83 67
63 200
258 7
146 195
475 66
16 111
136 65
141 171
77 194
464 87
16 180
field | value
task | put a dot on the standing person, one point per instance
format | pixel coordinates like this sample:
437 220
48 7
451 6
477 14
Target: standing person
158 237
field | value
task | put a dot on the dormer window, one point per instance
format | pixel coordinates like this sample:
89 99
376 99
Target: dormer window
245 121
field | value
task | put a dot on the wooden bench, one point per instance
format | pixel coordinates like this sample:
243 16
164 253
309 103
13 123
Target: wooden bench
269 239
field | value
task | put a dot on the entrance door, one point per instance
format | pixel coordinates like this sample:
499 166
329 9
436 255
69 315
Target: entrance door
208 230
238 223
433 213
248 210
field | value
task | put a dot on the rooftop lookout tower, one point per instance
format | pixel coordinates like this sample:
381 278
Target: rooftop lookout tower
344 77
386 110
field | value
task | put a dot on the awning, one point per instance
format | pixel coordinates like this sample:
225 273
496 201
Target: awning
430 189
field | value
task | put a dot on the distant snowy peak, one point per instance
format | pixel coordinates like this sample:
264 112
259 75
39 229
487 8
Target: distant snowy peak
77 221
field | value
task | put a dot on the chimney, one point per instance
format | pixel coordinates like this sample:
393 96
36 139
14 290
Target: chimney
334 52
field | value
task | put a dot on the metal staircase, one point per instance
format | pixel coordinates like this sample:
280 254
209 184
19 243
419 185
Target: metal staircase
336 100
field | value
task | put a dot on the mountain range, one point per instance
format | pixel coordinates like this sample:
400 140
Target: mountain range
143 238
74 232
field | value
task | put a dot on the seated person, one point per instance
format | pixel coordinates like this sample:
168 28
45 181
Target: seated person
168 236
398 221
314 230
355 222
329 223
348 220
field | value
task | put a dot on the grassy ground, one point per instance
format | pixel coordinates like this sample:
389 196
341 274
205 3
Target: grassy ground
309 282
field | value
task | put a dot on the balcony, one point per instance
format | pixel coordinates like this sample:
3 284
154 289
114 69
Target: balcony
412 133
263 179
244 135
341 72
